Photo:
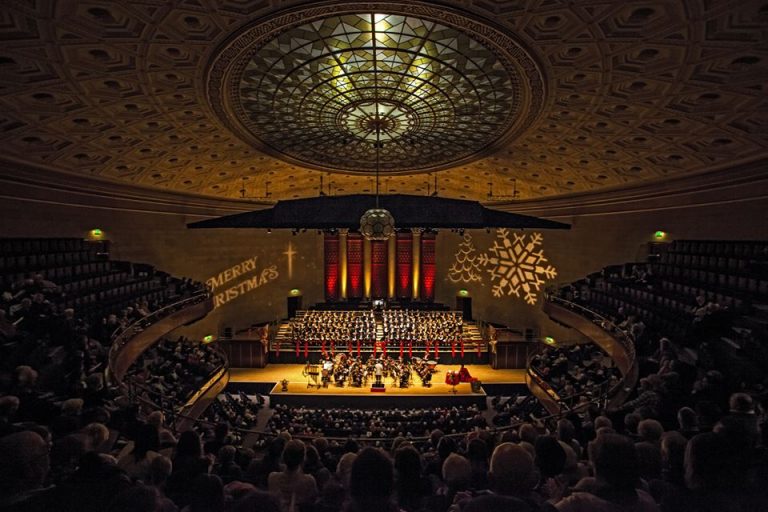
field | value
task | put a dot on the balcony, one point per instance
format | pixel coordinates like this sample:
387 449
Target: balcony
602 332
130 343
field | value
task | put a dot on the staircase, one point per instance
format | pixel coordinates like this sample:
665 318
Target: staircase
282 339
473 338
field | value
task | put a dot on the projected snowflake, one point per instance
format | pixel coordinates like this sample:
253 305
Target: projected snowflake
517 267
465 268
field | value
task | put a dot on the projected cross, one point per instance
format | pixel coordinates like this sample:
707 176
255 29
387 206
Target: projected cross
290 253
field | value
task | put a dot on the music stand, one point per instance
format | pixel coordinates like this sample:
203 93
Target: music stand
312 372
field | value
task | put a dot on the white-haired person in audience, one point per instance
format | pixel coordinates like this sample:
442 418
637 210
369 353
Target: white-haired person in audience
456 478
344 468
167 439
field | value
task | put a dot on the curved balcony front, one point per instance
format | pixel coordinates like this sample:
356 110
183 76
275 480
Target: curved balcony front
602 332
129 344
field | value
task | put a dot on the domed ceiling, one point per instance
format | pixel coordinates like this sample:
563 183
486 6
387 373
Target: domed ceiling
318 93
486 100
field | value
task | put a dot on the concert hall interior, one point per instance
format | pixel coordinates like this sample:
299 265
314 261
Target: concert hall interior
418 256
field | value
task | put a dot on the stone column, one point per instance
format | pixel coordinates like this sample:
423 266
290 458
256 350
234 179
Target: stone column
343 263
416 264
391 266
366 268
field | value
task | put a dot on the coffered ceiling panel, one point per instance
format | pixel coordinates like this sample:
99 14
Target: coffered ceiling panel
485 100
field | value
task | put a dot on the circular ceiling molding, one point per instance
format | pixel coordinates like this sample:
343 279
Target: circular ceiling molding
313 86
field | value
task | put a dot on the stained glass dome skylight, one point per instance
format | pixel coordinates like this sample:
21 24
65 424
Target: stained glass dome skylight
315 92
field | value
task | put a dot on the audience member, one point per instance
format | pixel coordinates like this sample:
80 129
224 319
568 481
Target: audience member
512 477
371 483
614 486
293 487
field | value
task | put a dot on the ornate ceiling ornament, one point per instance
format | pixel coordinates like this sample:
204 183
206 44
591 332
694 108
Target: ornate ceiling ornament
301 85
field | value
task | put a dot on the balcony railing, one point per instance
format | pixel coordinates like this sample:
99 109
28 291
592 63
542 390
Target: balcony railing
603 332
129 343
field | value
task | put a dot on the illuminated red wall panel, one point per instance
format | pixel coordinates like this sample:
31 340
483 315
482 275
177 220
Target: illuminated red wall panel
428 265
354 266
331 263
378 269
404 259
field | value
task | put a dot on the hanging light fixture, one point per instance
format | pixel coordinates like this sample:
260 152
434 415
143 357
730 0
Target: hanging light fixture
376 223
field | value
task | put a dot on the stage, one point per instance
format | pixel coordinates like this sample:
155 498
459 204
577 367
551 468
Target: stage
268 381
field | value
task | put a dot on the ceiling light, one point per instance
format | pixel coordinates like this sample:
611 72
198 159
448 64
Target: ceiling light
376 223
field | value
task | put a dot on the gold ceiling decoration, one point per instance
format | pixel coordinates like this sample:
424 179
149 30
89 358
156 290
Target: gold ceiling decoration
444 94
635 92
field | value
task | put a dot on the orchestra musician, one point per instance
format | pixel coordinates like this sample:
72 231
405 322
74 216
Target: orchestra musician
405 376
464 375
327 371
348 368
340 370
426 378
357 374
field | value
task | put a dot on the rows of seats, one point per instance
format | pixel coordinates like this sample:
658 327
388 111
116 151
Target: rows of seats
81 275
97 301
742 249
30 246
88 259
72 274
236 410
736 265
19 263
705 261
744 285
610 304
374 423
722 273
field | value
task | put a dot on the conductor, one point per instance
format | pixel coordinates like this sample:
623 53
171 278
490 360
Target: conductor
378 371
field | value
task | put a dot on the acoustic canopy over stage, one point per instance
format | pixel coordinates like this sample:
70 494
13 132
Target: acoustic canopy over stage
409 211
